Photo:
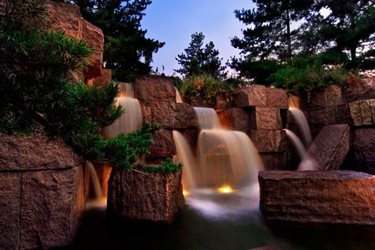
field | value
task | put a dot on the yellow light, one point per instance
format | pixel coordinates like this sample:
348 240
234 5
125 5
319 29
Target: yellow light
225 189
185 193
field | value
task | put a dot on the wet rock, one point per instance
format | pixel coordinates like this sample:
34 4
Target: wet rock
330 96
146 197
267 141
163 144
364 89
184 117
34 153
154 88
254 95
329 148
10 205
317 198
363 112
52 204
268 118
361 156
65 17
237 119
95 39
277 98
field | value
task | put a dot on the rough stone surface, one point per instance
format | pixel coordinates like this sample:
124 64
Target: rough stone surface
330 147
361 156
277 98
65 17
317 197
329 96
95 39
268 247
254 95
184 117
363 112
10 205
33 153
163 144
51 207
267 141
147 197
104 78
274 161
268 118
237 119
365 89
154 88
222 102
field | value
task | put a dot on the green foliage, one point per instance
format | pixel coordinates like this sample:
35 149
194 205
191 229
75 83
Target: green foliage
127 51
36 97
204 87
166 167
200 61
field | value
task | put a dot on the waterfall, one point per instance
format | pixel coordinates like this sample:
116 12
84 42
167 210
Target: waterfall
297 143
303 125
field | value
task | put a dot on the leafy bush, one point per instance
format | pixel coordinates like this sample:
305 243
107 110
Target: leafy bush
167 167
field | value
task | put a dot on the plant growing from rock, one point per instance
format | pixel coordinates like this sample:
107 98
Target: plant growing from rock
35 95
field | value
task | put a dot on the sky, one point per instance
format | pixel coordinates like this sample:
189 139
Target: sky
174 21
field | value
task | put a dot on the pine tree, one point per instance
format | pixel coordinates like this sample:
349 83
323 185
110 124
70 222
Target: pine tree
198 60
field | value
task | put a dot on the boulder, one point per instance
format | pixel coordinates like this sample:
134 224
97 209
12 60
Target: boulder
154 88
163 144
52 204
254 95
184 117
363 112
95 39
292 198
277 98
267 118
361 156
267 140
104 78
65 17
364 89
330 96
237 119
329 149
149 197
34 153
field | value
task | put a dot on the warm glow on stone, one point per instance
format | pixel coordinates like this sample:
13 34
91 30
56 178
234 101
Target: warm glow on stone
185 193
225 189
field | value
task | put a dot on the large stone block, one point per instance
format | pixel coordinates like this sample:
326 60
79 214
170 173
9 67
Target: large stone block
153 197
277 98
254 95
95 39
328 97
65 17
274 161
267 141
268 118
10 206
163 144
222 102
51 207
317 198
104 78
184 117
363 112
329 149
363 90
33 153
237 119
154 88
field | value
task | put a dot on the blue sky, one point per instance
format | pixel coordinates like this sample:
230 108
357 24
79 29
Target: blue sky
173 22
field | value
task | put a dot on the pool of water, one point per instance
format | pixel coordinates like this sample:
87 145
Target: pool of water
204 225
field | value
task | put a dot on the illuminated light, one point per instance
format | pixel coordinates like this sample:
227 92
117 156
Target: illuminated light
225 189
185 193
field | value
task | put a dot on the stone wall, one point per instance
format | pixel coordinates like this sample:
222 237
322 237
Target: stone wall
42 193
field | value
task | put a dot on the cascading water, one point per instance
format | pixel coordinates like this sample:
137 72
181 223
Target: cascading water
178 97
303 125
225 170
95 181
297 143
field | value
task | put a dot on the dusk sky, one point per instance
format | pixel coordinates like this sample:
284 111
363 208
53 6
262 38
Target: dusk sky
173 22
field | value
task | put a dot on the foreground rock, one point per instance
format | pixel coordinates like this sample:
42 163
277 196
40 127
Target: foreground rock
153 197
329 149
317 198
42 190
